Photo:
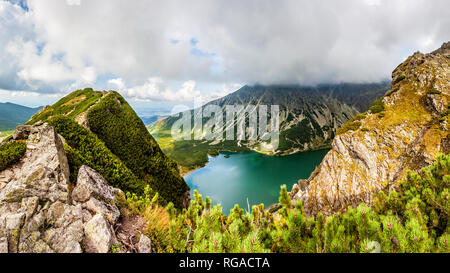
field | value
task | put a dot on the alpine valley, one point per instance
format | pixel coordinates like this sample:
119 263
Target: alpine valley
85 174
309 118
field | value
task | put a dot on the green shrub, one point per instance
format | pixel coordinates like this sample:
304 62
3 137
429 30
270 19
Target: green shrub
84 148
399 79
349 126
86 98
392 91
114 122
434 91
377 107
11 153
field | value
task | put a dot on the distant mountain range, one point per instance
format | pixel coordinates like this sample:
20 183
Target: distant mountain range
309 119
12 115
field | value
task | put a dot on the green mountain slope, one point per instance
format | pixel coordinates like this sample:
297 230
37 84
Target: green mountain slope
102 131
12 115
309 119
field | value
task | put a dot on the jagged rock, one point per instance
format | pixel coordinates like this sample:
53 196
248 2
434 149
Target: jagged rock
3 245
22 132
99 238
409 135
436 103
95 195
37 213
144 245
14 221
43 172
66 227
294 190
186 199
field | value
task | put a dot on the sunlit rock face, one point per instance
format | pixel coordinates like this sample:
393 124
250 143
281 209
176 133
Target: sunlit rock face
376 151
39 213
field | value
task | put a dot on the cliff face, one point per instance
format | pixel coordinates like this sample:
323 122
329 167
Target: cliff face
405 130
42 212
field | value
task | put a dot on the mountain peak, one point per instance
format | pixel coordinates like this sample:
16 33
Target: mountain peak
406 129
103 131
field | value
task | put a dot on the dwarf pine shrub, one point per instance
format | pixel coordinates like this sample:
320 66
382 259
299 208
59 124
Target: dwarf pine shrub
115 123
11 153
377 107
412 219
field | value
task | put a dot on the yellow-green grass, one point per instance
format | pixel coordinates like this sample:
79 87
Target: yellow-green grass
5 134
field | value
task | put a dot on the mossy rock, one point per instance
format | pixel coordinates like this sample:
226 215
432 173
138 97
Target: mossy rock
399 79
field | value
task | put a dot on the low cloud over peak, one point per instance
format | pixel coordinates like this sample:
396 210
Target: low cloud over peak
178 49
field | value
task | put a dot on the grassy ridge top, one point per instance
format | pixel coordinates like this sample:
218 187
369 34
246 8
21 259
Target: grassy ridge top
114 141
71 105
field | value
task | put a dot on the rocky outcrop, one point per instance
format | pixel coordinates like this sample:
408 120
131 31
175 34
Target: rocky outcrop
39 213
144 245
407 134
95 196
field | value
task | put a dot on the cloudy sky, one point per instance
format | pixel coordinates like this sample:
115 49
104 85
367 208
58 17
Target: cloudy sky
167 52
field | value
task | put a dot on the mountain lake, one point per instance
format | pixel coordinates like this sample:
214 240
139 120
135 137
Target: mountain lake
234 178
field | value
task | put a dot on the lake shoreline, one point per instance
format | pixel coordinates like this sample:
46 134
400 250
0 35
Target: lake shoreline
189 171
251 175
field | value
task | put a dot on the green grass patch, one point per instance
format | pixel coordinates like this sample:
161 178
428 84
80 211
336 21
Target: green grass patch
351 125
11 153
377 107
392 91
72 105
6 135
399 79
434 91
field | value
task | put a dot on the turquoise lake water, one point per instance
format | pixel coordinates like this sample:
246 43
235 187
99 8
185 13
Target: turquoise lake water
251 175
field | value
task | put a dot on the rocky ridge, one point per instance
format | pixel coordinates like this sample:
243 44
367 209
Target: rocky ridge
408 132
41 211
309 118
103 131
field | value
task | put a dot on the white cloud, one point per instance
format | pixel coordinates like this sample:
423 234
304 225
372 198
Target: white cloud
73 2
59 45
155 89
